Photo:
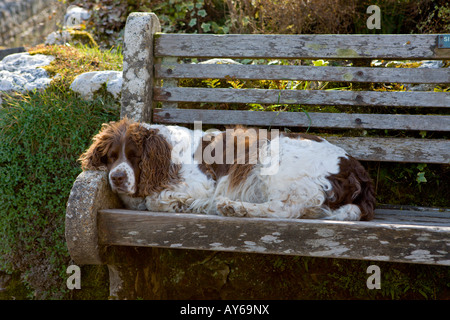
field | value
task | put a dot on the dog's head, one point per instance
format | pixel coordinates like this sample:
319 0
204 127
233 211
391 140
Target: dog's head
136 157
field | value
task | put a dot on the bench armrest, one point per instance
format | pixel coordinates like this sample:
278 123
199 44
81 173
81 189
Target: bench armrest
90 193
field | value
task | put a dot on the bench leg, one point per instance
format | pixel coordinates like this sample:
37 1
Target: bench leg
133 273
91 193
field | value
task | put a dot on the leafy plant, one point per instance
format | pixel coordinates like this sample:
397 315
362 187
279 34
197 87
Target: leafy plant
437 17
42 135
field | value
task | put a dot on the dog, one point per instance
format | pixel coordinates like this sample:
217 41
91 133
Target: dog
240 172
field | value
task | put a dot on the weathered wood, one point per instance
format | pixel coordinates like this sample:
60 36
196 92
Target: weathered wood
170 83
275 72
427 218
89 193
365 63
303 119
306 97
137 66
406 150
428 244
386 46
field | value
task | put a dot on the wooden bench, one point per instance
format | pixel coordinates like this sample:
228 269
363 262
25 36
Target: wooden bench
100 231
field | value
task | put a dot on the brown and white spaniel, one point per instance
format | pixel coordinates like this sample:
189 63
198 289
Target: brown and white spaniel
237 172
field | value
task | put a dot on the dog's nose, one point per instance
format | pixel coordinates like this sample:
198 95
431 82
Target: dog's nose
118 178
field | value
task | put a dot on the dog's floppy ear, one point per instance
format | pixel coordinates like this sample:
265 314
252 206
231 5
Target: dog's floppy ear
157 169
95 156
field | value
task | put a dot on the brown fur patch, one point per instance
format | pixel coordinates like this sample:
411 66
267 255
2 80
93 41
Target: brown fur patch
157 169
352 185
241 146
95 156
240 166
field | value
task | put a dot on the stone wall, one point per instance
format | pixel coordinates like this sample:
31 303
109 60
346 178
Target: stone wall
28 22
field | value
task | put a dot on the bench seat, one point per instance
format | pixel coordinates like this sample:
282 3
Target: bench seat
394 235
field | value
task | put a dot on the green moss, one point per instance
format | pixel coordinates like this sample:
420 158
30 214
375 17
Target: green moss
348 76
82 37
347 53
94 284
13 287
316 46
72 61
222 275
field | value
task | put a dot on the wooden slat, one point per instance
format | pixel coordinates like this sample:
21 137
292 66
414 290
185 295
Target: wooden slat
304 120
170 83
429 217
400 46
367 149
428 244
395 149
275 72
307 97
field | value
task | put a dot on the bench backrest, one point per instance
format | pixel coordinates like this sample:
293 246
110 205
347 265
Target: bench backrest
409 113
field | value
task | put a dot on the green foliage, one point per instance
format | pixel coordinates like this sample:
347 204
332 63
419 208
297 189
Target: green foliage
187 16
411 184
42 135
437 18
398 281
108 17
297 277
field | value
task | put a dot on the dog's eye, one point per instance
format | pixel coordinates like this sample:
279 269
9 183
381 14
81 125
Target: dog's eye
112 158
133 155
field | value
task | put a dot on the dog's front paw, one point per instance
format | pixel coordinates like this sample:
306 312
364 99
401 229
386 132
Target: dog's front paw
228 208
152 204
